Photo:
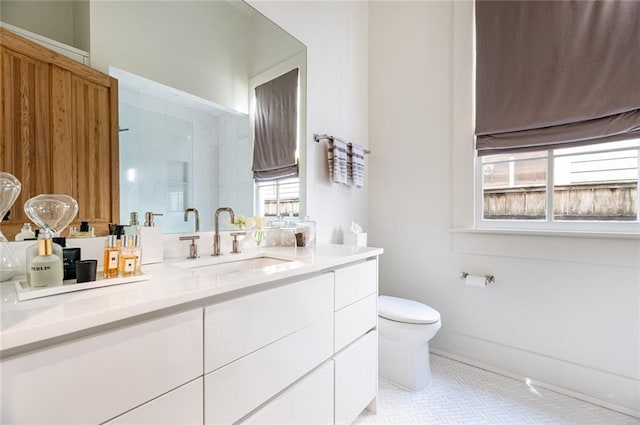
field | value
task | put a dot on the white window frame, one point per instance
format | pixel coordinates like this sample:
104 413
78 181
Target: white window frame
548 224
277 185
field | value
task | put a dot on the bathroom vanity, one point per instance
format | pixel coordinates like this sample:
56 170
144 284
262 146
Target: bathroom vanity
286 336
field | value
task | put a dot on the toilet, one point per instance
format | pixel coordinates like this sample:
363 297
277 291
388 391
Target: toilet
405 328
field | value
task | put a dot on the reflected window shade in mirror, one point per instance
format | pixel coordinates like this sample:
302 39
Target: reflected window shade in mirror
556 73
275 130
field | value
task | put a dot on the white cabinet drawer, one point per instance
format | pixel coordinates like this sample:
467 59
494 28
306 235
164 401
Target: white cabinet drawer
96 378
355 320
241 326
182 406
235 390
355 282
356 378
308 402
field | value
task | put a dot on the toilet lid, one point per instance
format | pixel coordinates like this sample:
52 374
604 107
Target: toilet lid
407 311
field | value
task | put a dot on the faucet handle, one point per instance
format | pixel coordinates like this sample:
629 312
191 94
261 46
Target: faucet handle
193 248
235 243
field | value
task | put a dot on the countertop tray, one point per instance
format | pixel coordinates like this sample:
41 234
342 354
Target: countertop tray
25 292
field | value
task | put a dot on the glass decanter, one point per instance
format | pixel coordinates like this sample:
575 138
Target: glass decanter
9 191
51 212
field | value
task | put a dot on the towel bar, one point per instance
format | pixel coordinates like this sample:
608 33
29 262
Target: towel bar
320 137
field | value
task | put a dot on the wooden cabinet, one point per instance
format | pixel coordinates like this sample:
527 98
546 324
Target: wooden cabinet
59 131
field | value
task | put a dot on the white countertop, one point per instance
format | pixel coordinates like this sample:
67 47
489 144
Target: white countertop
24 323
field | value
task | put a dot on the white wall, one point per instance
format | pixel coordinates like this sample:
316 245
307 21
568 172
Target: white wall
206 48
269 46
235 157
81 21
52 19
175 43
564 310
336 36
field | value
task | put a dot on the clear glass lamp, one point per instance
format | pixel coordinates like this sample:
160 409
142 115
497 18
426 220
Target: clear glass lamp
9 190
50 212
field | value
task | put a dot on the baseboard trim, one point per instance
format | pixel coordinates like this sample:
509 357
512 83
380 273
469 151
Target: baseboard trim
551 387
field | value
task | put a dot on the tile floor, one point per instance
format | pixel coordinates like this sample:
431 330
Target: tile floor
465 395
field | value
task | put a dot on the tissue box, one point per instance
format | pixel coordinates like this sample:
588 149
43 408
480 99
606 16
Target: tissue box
355 239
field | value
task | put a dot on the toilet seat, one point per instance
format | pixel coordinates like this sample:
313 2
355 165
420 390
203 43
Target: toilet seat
406 311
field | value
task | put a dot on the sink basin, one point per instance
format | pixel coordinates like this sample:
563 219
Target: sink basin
225 265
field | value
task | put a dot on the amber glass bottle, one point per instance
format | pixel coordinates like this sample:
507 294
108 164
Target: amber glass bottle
111 258
128 258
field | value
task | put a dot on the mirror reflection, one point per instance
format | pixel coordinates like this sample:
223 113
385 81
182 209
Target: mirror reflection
187 72
179 151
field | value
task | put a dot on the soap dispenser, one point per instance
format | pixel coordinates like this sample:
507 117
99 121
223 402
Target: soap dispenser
134 225
25 233
151 240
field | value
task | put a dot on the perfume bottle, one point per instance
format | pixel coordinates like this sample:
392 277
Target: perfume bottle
85 231
137 251
128 259
51 213
111 257
46 268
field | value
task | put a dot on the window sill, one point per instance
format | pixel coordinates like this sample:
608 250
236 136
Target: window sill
590 248
547 232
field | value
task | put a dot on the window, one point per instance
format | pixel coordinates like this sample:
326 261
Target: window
278 198
277 193
591 187
557 115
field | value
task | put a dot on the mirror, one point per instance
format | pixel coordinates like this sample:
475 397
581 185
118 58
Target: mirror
179 151
202 59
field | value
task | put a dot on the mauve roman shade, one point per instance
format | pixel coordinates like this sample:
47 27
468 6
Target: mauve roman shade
275 129
556 73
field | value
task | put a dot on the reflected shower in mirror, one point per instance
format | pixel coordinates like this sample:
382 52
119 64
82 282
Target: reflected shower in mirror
179 151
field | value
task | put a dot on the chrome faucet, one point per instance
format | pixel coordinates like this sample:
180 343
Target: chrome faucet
193 248
216 235
196 213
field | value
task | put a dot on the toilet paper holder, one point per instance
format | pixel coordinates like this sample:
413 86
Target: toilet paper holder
489 278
